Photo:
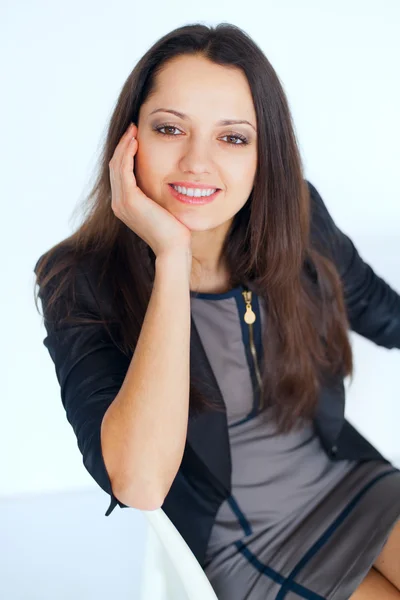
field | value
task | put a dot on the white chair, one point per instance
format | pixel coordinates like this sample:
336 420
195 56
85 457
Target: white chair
171 571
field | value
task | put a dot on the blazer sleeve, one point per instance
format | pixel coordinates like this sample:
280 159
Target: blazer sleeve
373 307
90 370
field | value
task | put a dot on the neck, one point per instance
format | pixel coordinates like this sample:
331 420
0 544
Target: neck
205 281
207 247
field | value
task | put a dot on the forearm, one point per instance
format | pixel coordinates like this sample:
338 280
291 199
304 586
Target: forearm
144 430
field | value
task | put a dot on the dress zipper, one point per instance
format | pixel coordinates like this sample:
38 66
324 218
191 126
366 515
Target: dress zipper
249 318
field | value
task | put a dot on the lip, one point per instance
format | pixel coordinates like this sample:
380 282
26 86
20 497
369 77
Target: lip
193 184
192 199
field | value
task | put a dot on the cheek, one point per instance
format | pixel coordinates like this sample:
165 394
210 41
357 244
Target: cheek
144 167
150 173
242 178
241 165
151 163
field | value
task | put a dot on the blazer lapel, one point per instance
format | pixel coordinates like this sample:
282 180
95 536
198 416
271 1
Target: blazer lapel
207 432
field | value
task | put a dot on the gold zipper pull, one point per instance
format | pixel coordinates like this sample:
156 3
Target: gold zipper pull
249 315
249 318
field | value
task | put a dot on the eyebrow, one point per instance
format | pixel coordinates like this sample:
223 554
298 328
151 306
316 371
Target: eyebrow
222 122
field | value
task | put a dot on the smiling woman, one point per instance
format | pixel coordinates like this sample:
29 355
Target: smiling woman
220 396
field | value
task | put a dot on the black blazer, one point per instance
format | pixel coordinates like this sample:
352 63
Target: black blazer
90 370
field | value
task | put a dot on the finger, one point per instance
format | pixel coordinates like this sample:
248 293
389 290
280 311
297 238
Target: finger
127 161
115 163
131 131
122 145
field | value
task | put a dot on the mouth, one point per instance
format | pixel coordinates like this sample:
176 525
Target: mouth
196 200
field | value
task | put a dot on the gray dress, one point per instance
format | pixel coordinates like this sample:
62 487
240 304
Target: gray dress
297 524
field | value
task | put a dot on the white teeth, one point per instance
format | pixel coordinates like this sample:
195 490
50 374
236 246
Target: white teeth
193 191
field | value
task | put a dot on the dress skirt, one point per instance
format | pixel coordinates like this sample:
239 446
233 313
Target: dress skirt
323 556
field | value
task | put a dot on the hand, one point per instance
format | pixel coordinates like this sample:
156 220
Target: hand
153 223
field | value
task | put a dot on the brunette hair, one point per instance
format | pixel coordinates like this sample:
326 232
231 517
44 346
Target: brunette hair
270 244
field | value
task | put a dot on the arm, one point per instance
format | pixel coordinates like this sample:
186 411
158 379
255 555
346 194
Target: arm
373 307
90 370
130 424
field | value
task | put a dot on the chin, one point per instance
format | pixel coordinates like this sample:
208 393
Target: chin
195 222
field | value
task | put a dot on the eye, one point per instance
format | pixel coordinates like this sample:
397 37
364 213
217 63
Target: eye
241 140
165 126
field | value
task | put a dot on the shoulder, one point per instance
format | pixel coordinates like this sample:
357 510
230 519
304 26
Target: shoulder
318 210
323 230
70 283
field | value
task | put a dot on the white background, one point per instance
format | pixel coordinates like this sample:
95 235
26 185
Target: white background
63 66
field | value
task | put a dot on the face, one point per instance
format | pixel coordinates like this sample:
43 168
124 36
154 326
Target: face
195 147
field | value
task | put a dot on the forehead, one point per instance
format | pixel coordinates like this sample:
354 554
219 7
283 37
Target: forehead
200 88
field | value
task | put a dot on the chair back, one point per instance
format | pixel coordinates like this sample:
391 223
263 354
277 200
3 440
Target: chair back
171 571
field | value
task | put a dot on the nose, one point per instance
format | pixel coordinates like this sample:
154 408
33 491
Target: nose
196 156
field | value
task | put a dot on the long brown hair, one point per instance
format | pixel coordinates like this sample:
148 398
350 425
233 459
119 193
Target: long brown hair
270 243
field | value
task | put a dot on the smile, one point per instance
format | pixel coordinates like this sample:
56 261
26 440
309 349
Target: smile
209 195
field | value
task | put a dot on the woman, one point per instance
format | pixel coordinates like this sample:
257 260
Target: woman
198 322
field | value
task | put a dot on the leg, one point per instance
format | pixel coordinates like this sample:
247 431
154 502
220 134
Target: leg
388 562
375 586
